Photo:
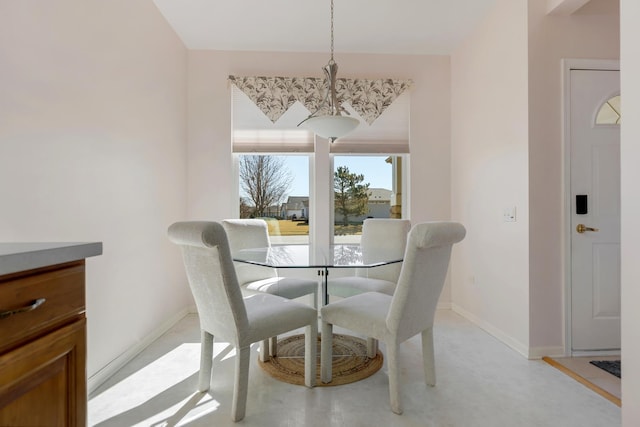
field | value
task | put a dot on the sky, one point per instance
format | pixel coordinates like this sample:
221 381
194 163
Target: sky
374 168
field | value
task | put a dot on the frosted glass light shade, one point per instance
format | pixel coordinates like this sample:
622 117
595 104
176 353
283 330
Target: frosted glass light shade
331 127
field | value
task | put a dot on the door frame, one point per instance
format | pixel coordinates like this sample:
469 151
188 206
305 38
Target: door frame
567 66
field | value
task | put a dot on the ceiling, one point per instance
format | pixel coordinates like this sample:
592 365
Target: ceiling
361 26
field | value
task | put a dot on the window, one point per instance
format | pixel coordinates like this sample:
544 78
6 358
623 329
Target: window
276 188
365 186
609 113
307 212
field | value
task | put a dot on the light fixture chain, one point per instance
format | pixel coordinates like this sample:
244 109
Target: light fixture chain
332 31
332 125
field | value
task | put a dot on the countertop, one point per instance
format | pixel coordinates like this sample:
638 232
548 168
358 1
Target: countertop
16 257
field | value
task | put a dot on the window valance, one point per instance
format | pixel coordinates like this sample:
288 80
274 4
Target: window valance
275 95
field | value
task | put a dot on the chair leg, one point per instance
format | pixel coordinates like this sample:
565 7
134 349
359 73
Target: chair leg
372 347
326 353
273 346
264 350
394 376
310 354
206 360
428 357
241 384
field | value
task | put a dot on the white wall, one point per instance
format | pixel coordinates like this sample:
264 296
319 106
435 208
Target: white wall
630 153
93 148
591 32
210 122
504 271
489 140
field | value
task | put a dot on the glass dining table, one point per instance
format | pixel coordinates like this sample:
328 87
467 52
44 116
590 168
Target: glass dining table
351 361
338 256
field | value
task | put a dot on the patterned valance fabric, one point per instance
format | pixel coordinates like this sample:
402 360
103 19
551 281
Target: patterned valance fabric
274 95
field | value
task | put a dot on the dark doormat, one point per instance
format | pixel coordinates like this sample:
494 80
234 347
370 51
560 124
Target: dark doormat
611 366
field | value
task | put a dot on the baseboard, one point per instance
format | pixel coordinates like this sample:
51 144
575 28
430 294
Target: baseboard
95 380
492 330
540 352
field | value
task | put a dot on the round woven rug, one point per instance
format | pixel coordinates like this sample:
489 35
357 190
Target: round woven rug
350 361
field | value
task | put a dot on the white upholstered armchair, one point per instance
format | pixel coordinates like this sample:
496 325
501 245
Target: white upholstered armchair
411 309
227 314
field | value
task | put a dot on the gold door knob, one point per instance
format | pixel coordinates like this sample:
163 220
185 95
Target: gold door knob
581 228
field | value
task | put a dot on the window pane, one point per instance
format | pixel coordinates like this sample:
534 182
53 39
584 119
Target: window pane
609 113
276 188
365 187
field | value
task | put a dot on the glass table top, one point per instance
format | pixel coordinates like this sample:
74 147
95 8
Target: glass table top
305 256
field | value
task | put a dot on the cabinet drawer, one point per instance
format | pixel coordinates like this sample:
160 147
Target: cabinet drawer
64 298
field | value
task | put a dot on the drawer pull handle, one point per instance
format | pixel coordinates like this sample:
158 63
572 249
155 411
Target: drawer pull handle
37 303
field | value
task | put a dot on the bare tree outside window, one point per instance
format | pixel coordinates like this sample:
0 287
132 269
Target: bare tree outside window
245 208
266 182
351 196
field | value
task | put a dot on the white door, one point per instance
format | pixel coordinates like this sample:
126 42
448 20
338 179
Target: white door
595 210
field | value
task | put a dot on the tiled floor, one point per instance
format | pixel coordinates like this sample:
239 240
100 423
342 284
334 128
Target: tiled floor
481 382
592 374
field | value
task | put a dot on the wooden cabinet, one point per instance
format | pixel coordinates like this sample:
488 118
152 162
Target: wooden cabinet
43 347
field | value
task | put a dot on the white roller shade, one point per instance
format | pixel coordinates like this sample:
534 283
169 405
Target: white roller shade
253 132
388 134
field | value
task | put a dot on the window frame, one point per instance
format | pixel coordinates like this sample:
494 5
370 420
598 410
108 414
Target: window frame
321 192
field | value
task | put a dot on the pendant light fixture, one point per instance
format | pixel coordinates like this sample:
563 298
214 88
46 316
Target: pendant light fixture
332 125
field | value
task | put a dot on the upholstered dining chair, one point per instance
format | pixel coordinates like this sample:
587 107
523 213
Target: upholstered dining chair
410 311
227 314
254 233
382 239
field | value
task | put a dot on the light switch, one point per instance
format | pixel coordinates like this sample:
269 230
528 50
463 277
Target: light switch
509 214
